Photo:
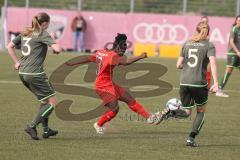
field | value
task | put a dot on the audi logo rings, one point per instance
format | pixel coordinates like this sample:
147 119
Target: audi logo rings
160 33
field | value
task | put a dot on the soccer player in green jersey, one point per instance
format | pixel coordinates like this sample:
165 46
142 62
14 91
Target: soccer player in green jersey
34 42
233 56
195 56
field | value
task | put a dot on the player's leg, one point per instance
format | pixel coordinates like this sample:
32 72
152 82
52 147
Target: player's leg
112 110
197 126
134 105
137 107
232 61
200 96
47 131
187 105
224 80
26 80
45 93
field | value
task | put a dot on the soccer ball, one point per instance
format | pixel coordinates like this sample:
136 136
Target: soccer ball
174 104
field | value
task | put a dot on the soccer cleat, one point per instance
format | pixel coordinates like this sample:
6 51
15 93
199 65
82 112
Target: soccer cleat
191 143
152 119
162 115
220 93
99 129
32 132
49 133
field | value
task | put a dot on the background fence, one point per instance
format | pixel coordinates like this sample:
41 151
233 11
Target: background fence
192 7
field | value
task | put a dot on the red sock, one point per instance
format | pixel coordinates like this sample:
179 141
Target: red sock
106 117
208 77
136 107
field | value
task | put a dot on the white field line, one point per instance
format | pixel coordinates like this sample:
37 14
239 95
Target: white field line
88 85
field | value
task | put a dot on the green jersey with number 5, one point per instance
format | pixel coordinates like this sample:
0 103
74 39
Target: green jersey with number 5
196 58
33 49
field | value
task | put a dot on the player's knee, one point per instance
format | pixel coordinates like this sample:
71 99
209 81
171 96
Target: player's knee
188 112
52 101
229 70
201 109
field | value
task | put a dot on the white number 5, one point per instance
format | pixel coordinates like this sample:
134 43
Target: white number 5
26 45
191 55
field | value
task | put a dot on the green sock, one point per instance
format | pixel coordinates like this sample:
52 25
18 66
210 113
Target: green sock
224 80
45 125
198 122
43 113
44 121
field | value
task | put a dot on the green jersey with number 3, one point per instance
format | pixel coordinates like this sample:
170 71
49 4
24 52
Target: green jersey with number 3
33 49
196 58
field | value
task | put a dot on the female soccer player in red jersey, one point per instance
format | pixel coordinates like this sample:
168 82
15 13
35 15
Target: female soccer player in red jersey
108 91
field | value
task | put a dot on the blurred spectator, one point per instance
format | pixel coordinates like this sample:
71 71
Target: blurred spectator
79 26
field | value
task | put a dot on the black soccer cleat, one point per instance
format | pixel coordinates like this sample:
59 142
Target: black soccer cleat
49 133
191 143
32 132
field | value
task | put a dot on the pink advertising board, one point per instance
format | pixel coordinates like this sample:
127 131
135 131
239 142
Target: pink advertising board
141 28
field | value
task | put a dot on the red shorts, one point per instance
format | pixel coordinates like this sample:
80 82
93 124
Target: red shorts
109 93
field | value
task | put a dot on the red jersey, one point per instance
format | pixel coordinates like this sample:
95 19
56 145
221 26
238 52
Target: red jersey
105 62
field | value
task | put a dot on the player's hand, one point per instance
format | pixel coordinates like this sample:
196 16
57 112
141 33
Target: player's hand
16 65
144 55
214 88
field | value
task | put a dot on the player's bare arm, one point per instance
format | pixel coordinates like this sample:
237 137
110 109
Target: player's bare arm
179 64
214 87
129 61
12 53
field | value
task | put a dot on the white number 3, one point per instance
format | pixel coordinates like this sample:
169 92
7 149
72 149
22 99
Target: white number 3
26 45
191 55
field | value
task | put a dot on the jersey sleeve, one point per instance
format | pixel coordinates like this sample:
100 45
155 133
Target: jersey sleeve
211 50
47 39
17 40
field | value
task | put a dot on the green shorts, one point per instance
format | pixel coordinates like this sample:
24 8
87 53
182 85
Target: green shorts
233 60
38 85
191 96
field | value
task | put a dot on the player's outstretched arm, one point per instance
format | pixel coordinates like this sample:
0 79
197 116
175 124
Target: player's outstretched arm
214 87
179 64
85 59
133 59
12 53
56 48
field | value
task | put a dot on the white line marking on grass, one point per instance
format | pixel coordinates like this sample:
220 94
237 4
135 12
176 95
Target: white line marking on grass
91 85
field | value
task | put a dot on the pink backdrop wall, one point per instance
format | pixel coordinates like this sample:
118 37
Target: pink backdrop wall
143 28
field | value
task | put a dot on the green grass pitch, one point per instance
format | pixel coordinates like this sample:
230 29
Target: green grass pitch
127 138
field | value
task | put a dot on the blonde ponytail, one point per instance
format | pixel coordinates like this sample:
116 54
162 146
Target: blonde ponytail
202 32
37 20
